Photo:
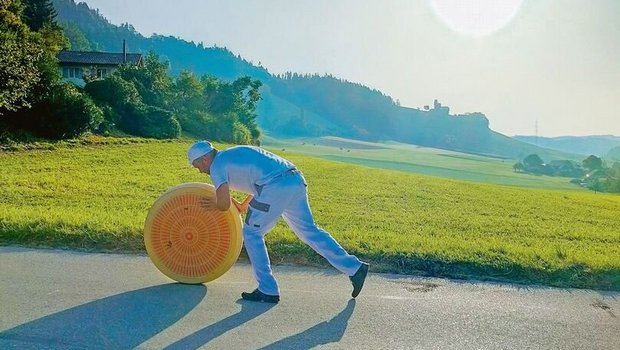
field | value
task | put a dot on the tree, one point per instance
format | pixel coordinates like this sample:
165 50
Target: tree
121 99
246 95
187 93
233 102
151 80
518 167
598 185
188 104
593 163
532 161
38 13
77 39
125 109
21 50
614 178
40 35
158 123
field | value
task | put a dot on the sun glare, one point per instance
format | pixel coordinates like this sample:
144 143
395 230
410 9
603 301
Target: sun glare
476 17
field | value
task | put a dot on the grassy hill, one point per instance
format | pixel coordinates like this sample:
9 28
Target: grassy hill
95 195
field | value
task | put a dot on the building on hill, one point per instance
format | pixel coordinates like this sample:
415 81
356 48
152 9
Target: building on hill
438 108
75 66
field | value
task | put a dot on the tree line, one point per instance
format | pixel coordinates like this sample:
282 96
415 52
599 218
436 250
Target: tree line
299 104
593 172
143 100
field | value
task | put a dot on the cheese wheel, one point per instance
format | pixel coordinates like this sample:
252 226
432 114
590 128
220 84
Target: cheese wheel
188 243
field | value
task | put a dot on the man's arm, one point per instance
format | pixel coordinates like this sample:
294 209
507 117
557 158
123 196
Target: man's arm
222 200
222 195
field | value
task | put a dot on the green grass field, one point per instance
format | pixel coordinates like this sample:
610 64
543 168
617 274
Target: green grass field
420 160
96 197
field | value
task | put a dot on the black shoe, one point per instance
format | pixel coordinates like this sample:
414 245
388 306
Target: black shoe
358 279
257 295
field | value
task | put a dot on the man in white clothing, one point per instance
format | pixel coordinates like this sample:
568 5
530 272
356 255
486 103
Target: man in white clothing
275 188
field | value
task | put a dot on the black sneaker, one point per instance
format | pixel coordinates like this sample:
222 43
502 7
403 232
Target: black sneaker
358 279
257 295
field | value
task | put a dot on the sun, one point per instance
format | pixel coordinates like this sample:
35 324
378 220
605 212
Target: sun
476 17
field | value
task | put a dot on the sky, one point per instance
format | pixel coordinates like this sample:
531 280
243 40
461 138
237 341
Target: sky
550 67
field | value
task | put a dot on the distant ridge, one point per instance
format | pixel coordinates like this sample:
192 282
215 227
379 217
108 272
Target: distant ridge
598 145
296 105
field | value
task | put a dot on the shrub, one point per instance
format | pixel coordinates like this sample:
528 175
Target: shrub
241 134
198 123
120 96
158 123
125 110
66 113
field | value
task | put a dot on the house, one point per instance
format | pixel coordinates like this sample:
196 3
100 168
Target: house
75 65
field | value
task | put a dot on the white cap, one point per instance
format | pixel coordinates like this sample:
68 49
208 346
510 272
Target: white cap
198 150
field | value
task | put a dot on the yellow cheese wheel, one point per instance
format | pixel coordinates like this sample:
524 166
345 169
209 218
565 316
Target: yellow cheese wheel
188 243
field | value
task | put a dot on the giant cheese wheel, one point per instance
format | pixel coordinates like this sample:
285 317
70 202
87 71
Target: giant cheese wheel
188 243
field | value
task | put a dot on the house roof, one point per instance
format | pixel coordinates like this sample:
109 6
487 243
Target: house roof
92 57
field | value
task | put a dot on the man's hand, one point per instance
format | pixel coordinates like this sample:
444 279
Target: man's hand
242 207
209 203
222 201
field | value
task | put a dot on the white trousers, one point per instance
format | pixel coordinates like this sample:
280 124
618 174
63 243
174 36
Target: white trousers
287 196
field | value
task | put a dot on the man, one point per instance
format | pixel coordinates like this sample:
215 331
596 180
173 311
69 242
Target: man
275 188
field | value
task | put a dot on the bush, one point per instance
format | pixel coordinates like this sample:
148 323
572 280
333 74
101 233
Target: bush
200 124
113 91
158 123
118 98
241 134
125 110
66 113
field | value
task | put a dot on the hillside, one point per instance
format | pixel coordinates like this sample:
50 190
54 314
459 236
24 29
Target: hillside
296 105
419 160
598 145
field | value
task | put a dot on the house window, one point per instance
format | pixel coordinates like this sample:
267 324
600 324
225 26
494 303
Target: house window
72 72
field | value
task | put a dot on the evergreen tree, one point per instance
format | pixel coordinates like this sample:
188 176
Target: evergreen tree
38 13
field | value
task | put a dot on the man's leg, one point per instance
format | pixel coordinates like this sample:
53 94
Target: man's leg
264 211
254 241
299 217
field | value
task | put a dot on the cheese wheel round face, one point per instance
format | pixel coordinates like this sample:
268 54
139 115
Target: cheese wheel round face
188 243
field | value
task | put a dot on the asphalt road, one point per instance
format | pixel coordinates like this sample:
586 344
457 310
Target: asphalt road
52 299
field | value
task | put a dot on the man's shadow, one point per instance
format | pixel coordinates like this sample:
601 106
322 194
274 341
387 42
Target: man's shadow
121 321
249 310
323 333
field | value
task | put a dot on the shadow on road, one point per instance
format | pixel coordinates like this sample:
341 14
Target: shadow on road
121 321
249 310
323 333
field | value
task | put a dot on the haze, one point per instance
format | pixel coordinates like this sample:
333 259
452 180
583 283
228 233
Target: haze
554 64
